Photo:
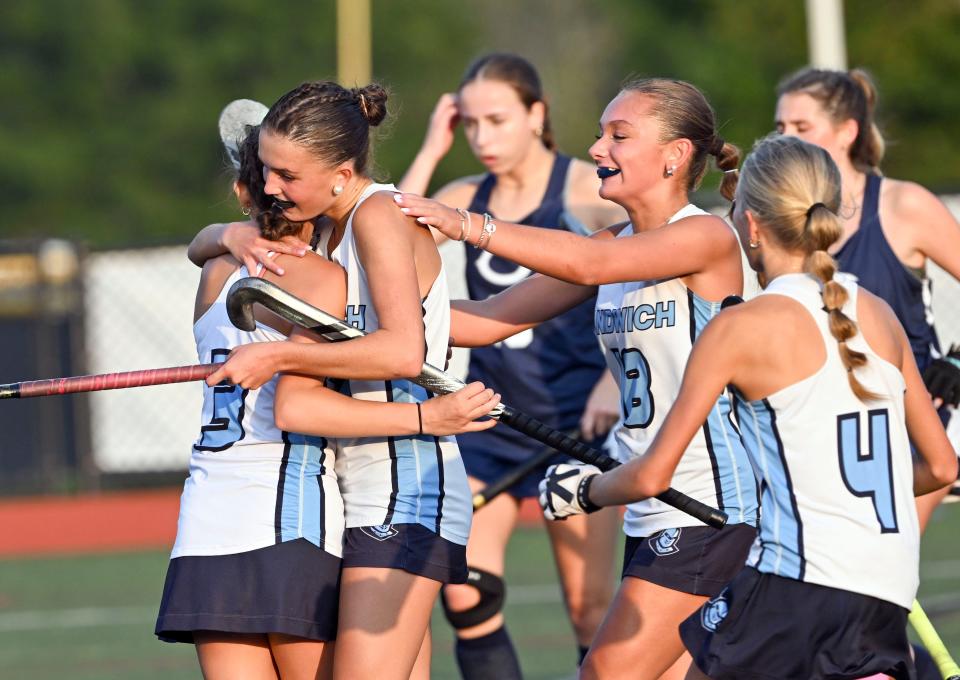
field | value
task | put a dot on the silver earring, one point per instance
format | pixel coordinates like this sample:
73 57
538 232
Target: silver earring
672 169
337 190
753 244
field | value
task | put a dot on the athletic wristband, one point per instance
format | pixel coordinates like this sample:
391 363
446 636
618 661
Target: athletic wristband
419 418
583 495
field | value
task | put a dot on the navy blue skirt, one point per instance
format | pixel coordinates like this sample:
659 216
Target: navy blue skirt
291 588
764 626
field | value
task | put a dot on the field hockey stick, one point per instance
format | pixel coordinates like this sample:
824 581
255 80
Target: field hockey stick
494 489
106 381
245 292
931 640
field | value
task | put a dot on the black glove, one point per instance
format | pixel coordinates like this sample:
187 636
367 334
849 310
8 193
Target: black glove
942 377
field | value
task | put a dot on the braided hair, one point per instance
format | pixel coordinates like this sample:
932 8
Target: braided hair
793 189
333 122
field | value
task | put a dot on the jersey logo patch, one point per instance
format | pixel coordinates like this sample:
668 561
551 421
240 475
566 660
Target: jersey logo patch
665 543
380 532
714 612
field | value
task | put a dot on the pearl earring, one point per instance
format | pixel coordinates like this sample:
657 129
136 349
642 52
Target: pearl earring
337 190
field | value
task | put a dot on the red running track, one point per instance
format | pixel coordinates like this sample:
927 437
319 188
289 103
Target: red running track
106 522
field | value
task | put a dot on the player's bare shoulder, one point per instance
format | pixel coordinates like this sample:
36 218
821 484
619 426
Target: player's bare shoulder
909 204
880 327
712 229
215 273
379 219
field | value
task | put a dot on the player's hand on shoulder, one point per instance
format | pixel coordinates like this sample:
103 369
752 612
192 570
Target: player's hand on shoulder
458 411
245 243
431 213
564 490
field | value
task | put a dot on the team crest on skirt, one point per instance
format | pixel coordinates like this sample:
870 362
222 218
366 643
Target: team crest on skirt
380 532
714 612
665 543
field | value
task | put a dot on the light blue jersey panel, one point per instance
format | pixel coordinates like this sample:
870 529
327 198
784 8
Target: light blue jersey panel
418 497
733 476
781 532
300 502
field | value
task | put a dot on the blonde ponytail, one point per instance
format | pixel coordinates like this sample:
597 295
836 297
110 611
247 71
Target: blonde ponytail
821 228
793 189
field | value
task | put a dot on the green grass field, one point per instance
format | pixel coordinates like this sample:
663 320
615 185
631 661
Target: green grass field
91 617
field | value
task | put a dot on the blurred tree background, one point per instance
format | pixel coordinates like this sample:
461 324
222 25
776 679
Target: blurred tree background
108 123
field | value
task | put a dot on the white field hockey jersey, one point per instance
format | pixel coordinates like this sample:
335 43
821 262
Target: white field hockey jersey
409 479
252 485
647 329
836 473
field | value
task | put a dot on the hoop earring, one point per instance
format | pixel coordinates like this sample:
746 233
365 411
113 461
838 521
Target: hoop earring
337 190
753 245
245 211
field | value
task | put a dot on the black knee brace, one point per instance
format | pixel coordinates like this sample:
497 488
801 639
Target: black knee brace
492 591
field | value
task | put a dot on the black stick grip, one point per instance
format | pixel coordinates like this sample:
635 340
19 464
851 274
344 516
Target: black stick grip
576 449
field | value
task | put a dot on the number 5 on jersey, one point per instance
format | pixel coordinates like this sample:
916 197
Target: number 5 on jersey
225 427
635 395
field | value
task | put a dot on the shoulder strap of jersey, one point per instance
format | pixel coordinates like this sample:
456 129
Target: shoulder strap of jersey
558 178
870 210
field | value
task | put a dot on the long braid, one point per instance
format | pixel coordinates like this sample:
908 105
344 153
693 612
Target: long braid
821 228
793 189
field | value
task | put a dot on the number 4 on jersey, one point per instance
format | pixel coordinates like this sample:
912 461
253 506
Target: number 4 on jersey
869 474
635 395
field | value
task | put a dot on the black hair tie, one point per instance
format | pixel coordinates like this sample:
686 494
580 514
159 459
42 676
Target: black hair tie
813 207
717 147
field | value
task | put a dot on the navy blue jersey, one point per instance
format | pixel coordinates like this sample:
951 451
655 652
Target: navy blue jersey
868 256
547 372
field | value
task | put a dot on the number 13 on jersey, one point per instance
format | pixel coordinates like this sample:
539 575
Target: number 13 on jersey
635 395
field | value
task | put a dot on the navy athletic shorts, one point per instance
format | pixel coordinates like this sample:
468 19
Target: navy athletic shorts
291 588
410 547
696 560
766 627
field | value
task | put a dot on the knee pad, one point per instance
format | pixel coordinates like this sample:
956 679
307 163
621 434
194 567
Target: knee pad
492 591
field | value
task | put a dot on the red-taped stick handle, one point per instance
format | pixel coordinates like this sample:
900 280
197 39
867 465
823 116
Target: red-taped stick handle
106 381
